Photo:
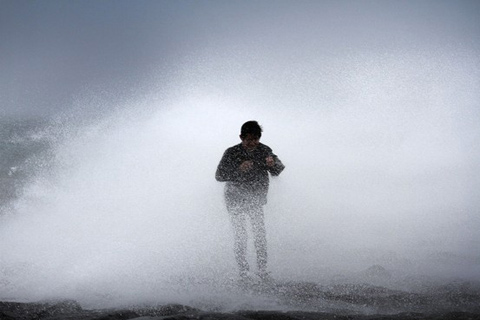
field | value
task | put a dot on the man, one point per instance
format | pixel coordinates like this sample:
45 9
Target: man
245 167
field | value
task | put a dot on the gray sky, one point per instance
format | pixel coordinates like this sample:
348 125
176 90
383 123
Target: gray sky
53 51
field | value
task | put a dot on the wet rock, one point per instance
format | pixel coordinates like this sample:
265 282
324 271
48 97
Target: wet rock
67 309
377 271
18 310
166 310
458 300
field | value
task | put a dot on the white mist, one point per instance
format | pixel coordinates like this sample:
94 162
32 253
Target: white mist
382 167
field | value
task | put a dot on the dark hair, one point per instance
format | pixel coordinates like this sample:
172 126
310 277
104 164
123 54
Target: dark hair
251 127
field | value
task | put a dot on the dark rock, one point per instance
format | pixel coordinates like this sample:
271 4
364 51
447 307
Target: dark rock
377 271
166 310
340 301
18 310
290 315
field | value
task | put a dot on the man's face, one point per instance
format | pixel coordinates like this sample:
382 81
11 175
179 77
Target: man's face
250 142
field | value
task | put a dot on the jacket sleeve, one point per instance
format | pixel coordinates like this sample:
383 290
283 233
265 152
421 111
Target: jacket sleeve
226 170
277 167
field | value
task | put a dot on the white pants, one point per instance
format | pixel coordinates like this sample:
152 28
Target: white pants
239 214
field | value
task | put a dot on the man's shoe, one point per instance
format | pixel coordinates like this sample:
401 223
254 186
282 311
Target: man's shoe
246 279
265 277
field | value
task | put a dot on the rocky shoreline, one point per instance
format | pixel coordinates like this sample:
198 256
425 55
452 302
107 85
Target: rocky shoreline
307 301
71 310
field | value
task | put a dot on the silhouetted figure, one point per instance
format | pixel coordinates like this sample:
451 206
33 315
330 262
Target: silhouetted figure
245 167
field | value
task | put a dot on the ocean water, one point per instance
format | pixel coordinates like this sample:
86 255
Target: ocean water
21 141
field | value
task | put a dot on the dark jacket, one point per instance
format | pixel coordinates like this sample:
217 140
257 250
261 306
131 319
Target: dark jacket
250 186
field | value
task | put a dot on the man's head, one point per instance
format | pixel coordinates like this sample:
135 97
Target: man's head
250 134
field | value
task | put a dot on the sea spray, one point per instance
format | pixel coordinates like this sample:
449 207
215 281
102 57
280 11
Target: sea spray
381 150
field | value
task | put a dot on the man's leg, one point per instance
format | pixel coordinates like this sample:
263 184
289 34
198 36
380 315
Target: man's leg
240 239
260 237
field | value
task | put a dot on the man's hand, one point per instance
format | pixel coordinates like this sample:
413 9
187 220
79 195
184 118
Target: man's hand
270 161
246 165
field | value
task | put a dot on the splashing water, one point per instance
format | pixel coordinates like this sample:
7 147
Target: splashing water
382 167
